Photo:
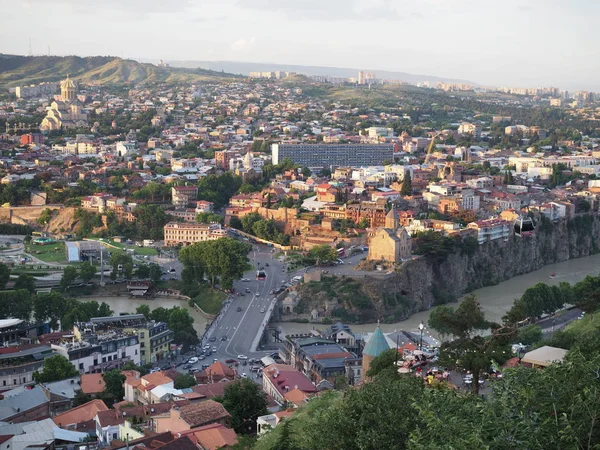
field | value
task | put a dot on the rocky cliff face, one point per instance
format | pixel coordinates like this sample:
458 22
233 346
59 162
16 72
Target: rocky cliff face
422 283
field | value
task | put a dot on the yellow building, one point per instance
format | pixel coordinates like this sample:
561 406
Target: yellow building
190 233
67 112
390 243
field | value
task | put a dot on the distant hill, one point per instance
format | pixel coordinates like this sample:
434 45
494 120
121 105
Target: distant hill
18 70
244 68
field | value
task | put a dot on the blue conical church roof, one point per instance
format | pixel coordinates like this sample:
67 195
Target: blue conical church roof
377 344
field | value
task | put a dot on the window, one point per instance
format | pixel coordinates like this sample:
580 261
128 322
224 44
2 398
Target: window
24 380
114 435
104 359
15 381
3 382
81 365
136 351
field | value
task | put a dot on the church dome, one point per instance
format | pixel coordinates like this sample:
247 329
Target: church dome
377 344
67 84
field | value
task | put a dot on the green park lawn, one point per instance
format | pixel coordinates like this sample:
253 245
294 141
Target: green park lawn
210 300
53 253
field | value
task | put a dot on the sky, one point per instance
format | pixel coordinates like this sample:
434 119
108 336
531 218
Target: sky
520 43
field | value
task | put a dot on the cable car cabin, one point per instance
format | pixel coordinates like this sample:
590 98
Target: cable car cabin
524 226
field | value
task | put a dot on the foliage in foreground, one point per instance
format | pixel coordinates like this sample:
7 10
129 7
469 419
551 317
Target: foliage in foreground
555 408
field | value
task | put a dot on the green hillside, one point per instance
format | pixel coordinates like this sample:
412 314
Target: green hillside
22 70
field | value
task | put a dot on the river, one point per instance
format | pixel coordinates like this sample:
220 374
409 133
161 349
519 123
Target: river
495 300
121 305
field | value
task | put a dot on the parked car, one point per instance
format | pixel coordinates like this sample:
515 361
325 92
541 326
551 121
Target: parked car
242 357
230 361
193 360
239 309
262 310
223 338
244 375
212 339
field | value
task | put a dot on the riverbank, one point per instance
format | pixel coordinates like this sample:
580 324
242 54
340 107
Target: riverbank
495 300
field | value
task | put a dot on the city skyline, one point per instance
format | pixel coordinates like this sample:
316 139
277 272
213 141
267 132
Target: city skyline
517 43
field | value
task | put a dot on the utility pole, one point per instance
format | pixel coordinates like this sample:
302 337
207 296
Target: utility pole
101 266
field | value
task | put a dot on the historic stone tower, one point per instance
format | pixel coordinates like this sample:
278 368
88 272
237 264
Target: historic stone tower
375 347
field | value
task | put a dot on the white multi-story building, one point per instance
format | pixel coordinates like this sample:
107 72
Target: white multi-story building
93 349
490 229
470 128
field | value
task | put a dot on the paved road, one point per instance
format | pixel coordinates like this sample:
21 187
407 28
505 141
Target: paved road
244 328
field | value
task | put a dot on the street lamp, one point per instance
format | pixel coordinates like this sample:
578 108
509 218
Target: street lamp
421 328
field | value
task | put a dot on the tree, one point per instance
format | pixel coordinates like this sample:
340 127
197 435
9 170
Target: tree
406 188
184 381
4 275
384 364
70 274
81 398
113 385
529 335
56 368
125 261
143 271
322 254
16 304
245 401
25 281
205 217
87 271
155 272
182 323
143 309
469 350
224 259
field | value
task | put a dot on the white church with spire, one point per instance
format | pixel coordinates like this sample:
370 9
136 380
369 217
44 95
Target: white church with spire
66 112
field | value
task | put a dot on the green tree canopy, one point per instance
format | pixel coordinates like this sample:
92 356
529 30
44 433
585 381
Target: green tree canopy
245 401
55 368
184 380
322 254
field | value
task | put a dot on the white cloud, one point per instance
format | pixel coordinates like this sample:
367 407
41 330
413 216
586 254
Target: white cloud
243 44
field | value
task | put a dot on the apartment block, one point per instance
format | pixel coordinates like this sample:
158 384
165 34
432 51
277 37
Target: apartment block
334 155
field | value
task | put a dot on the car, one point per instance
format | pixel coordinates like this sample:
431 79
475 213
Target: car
206 346
248 290
282 281
254 369
187 366
258 294
205 366
193 360
239 309
200 358
272 292
245 279
267 265
212 339
242 357
230 361
223 338
242 294
262 310
155 369
244 375
214 349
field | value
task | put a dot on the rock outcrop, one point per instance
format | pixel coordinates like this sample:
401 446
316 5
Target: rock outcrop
425 282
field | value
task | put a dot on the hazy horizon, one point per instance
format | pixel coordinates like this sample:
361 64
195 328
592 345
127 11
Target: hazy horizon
516 43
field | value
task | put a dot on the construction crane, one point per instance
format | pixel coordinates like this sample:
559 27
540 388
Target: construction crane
431 147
